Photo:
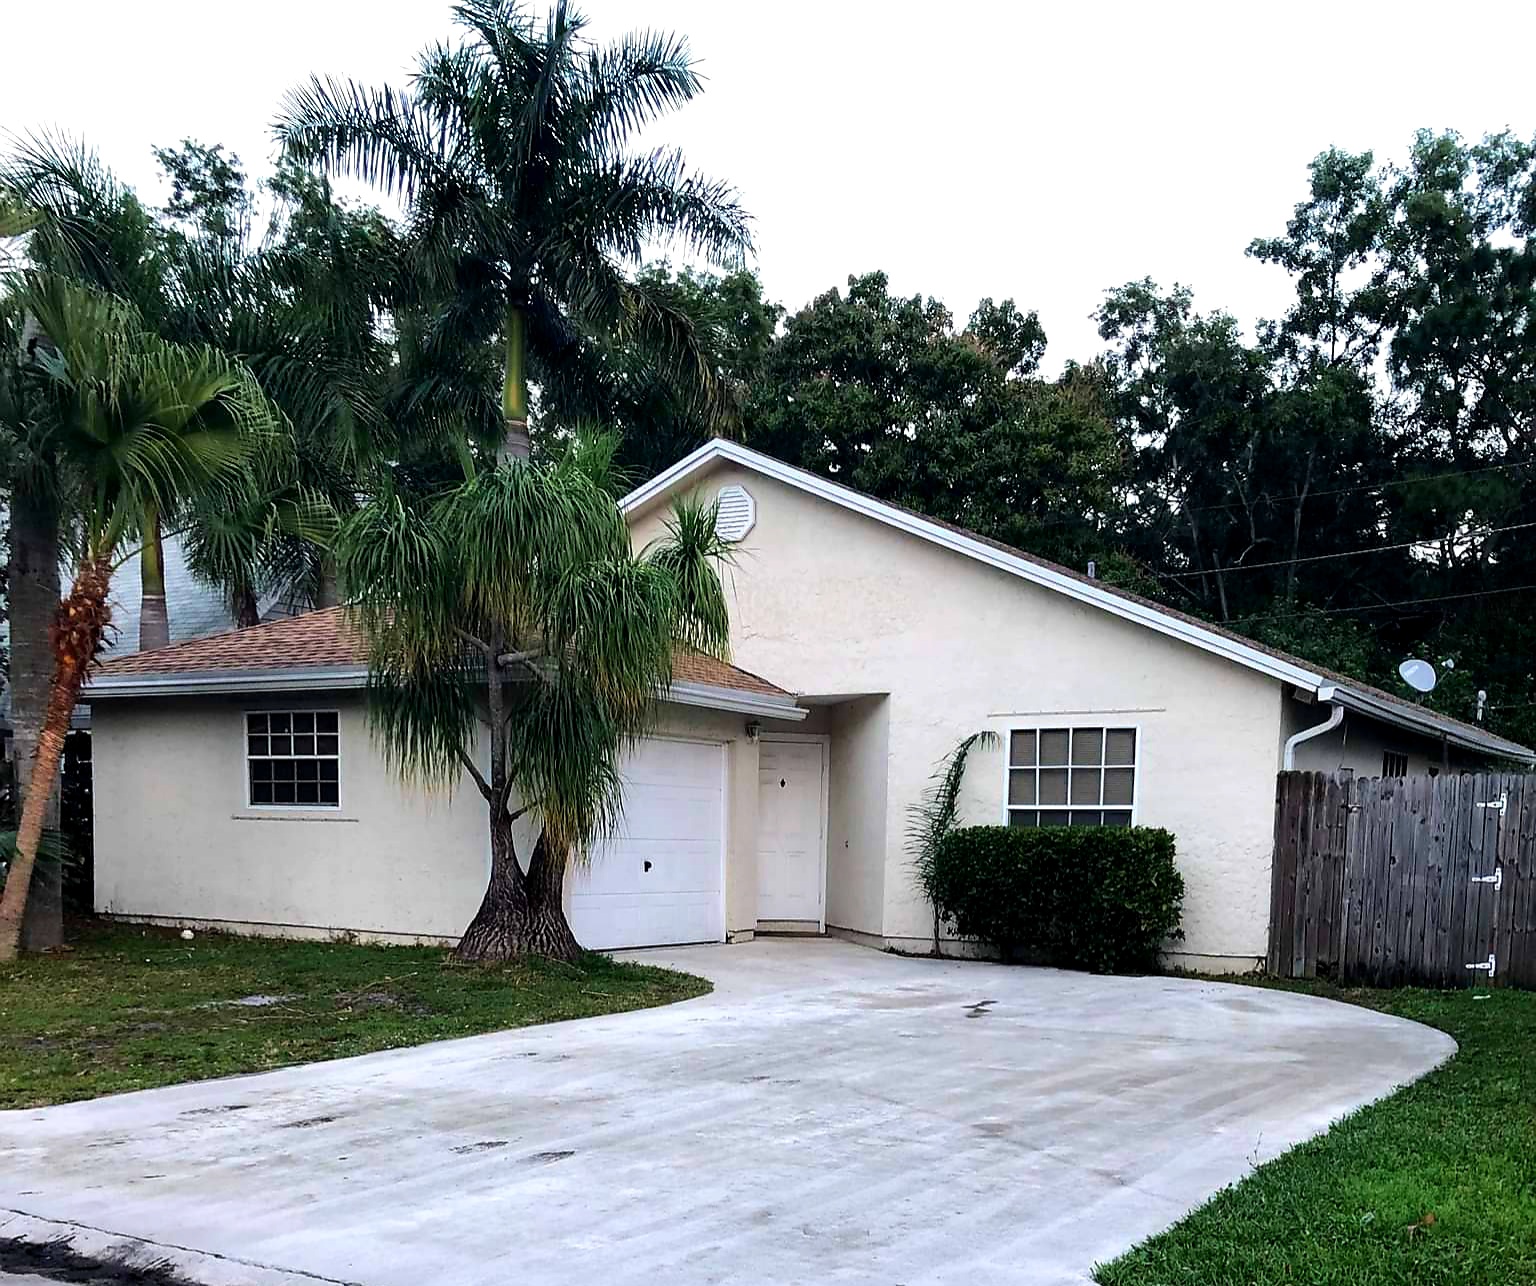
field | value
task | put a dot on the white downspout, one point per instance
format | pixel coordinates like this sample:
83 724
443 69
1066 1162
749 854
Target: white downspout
1334 719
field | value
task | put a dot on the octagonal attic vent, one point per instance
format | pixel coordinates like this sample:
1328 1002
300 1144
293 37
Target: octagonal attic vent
736 513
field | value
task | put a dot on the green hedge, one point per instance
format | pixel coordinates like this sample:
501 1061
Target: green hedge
1096 898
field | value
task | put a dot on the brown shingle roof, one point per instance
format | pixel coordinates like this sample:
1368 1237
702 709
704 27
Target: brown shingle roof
313 640
326 639
689 666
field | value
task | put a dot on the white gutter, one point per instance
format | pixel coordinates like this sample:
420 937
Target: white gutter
208 683
709 697
1334 719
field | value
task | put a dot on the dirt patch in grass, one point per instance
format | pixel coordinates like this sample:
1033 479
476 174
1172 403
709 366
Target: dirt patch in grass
134 1008
1435 1186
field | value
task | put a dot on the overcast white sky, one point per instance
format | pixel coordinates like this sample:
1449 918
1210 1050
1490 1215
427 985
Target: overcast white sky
1042 152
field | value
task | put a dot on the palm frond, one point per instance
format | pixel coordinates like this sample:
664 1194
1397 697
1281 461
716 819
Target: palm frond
693 552
931 818
380 135
629 84
80 220
633 204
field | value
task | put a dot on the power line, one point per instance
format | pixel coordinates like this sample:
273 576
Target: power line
1372 607
1372 486
1348 553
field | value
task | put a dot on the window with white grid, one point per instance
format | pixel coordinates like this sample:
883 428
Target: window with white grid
293 758
1071 776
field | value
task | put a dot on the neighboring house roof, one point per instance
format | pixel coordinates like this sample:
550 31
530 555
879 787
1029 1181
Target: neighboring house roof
1312 680
195 609
324 650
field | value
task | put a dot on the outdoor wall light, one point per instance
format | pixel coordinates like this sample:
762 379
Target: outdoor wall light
754 730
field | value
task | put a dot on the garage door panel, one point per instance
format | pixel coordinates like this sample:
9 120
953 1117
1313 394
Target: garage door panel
657 880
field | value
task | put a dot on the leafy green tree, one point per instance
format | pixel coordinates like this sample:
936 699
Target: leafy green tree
126 425
304 307
883 394
510 613
1330 243
1429 263
1247 465
660 419
209 193
513 153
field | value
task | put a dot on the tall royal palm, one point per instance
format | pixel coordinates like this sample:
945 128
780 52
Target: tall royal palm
125 425
512 153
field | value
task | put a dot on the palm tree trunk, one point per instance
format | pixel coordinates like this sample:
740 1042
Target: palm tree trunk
154 620
329 589
520 915
78 627
246 610
34 598
514 390
549 932
495 932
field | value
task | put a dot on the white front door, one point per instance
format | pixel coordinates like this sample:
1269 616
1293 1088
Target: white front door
657 881
789 830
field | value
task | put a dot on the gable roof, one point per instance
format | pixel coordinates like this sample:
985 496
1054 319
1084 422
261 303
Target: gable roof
1312 680
323 650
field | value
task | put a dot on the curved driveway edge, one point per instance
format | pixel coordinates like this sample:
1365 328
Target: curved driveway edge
828 1113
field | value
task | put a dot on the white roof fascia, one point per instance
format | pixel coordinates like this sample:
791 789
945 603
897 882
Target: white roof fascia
209 682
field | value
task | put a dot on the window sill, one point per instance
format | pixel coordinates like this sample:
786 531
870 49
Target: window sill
291 815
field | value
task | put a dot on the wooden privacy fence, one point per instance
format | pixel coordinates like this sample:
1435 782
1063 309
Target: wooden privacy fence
1387 881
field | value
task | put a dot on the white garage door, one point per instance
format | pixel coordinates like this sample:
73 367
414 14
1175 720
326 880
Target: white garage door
658 880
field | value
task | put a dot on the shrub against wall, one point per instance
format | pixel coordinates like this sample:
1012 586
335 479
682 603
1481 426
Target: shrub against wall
1094 898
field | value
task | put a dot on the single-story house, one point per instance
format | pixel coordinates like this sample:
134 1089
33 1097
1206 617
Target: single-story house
236 785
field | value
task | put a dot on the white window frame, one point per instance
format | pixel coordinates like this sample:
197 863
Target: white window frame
246 757
1102 720
1399 755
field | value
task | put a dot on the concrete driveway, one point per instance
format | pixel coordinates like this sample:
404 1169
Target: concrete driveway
828 1114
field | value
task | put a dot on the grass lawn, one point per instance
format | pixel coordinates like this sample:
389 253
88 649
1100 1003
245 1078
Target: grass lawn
1435 1186
132 1008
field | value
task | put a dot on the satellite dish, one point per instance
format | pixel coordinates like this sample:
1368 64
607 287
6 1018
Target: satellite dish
1418 675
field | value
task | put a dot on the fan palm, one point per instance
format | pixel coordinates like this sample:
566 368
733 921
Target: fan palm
512 611
511 154
77 219
128 425
84 224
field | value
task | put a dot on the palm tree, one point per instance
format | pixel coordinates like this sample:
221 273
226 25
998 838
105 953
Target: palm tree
299 309
83 223
525 203
511 611
127 425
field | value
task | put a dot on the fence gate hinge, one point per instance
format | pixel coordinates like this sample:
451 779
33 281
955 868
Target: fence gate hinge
1496 879
1487 966
1498 805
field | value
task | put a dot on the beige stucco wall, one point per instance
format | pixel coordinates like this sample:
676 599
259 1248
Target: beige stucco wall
176 842
827 601
858 771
